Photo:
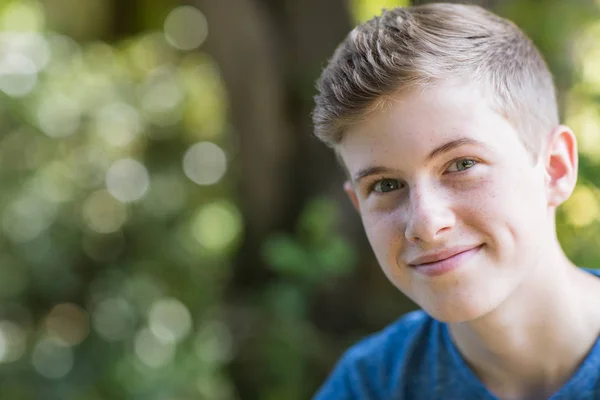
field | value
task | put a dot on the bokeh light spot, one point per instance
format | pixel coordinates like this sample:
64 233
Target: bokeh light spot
118 124
51 359
58 116
67 324
148 52
27 217
585 122
186 28
53 183
12 342
102 213
364 10
161 97
19 16
215 226
143 290
587 55
30 45
18 75
582 207
205 163
127 180
169 320
151 351
205 114
63 50
114 319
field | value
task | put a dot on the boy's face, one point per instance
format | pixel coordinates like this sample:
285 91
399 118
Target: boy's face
438 173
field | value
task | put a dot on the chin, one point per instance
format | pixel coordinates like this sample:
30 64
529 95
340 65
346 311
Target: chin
454 316
457 309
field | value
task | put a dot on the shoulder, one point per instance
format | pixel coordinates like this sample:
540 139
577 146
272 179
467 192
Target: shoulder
371 368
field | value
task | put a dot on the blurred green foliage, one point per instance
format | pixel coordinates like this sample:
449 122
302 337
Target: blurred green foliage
316 253
121 225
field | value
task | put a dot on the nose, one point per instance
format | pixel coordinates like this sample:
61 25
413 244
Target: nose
430 216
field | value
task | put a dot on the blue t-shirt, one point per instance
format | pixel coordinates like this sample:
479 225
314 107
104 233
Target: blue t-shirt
415 359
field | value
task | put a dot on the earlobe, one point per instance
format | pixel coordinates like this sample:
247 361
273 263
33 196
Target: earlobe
349 189
561 165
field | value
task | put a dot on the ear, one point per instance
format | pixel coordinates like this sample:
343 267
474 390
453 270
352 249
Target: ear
561 165
349 189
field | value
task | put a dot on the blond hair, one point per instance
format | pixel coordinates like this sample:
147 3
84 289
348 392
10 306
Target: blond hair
414 47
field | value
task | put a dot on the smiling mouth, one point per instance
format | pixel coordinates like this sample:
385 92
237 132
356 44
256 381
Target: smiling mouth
441 255
444 261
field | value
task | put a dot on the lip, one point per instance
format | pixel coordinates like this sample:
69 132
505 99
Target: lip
444 261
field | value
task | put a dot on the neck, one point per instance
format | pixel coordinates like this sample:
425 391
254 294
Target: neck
536 339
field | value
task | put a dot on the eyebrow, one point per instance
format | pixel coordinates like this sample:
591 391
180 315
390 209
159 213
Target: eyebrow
438 151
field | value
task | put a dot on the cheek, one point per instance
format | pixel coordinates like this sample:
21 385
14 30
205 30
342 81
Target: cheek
386 239
507 208
482 201
384 231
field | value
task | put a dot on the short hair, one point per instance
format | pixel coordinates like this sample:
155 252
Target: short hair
414 47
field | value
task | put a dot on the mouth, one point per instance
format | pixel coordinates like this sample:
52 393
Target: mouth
444 261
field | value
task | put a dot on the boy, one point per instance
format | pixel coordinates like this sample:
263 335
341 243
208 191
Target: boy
445 119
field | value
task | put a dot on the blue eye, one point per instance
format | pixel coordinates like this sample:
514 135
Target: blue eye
386 185
461 165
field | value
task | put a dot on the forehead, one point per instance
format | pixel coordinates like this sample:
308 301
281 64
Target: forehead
415 122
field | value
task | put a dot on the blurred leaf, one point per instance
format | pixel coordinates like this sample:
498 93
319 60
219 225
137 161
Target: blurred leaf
285 255
337 257
318 220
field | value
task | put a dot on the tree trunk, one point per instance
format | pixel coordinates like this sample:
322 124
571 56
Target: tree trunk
270 52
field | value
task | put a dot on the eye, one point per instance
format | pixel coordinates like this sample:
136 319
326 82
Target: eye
386 185
461 165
